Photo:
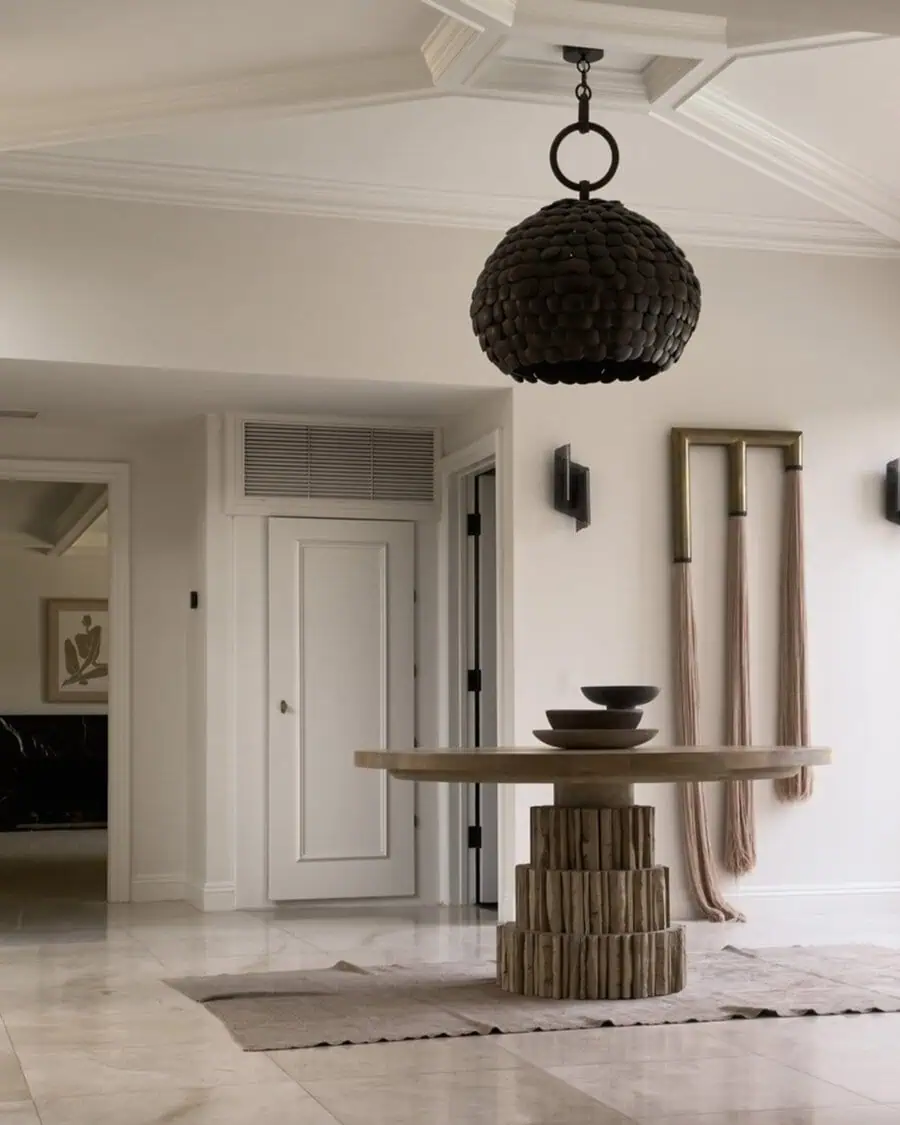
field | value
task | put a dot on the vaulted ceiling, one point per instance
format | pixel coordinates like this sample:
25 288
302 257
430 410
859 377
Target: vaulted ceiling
762 124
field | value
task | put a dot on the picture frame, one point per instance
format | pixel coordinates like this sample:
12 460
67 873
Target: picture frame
76 650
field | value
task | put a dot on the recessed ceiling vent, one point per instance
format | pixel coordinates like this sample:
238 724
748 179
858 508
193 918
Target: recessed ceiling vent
290 460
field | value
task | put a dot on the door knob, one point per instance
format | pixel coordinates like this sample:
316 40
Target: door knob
284 707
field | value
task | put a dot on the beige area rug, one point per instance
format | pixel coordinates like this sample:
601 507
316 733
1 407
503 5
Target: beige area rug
349 1004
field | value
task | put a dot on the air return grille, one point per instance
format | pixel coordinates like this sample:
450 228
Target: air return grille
289 460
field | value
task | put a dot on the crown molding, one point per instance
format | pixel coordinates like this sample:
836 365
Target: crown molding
376 80
238 191
456 51
717 120
479 14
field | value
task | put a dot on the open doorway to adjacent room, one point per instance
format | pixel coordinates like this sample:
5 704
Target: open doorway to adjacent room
56 670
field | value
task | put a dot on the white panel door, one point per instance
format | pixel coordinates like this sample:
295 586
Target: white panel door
341 678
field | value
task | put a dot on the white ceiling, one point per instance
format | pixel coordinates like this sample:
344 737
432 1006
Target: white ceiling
844 100
660 167
51 516
764 123
72 48
768 124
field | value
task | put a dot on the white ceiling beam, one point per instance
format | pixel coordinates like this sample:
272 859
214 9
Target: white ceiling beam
482 15
89 503
377 80
669 82
580 23
456 51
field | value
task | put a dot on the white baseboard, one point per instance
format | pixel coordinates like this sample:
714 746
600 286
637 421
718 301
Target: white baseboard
211 897
157 888
886 892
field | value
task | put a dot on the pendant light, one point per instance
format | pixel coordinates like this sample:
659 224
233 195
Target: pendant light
585 290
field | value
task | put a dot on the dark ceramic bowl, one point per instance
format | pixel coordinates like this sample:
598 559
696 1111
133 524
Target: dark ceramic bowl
594 719
621 697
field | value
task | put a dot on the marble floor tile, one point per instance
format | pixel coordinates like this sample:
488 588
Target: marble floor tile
66 1072
549 1049
856 1052
649 1090
198 965
13 1087
97 1038
281 1104
850 1115
522 1096
225 942
18 1113
89 1026
428 1056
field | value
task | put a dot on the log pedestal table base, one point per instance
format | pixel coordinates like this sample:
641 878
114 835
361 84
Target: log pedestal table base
592 910
593 918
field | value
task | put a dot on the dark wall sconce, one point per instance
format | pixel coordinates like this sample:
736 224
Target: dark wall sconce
892 491
571 488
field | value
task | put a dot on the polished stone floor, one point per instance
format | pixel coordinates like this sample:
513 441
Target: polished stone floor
91 1036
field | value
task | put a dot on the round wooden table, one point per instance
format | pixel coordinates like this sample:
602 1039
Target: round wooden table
593 917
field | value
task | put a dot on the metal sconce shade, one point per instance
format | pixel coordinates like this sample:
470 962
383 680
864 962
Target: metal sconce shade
892 492
585 291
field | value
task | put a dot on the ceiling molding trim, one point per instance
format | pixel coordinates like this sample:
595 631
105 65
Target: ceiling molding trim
376 80
648 31
748 44
480 14
147 183
669 82
455 51
727 126
87 507
526 80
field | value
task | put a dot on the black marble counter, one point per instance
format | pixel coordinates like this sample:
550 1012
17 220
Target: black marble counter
53 771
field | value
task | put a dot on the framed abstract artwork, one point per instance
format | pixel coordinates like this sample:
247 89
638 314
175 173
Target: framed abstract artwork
76 650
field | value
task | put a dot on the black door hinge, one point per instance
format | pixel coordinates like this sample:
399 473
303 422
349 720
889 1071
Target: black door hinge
473 679
474 836
473 523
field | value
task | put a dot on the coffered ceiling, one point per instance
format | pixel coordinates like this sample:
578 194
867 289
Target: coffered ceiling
753 123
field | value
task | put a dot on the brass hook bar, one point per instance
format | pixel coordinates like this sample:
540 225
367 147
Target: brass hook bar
737 443
737 478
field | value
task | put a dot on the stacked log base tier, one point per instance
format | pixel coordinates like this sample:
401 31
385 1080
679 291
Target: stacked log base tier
590 966
592 839
592 902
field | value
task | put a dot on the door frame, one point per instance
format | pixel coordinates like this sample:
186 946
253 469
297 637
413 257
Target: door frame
490 451
116 476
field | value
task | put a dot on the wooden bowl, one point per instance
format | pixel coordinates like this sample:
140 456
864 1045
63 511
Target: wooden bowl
621 697
594 719
595 739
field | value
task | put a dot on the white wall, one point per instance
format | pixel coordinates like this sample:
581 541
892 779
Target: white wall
163 552
806 343
783 341
26 580
93 281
